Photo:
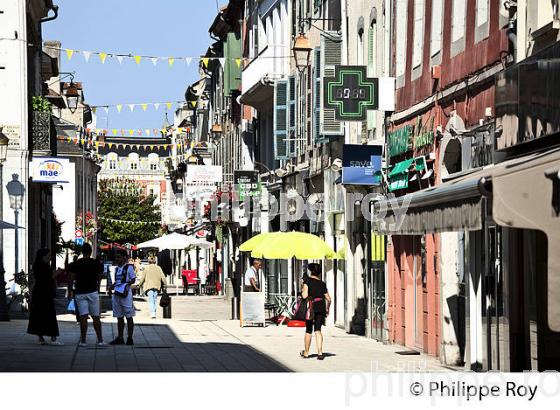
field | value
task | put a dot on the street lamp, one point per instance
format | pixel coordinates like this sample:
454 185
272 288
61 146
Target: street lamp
302 52
16 191
72 97
4 314
216 131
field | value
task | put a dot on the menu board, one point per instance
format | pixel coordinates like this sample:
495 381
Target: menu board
252 309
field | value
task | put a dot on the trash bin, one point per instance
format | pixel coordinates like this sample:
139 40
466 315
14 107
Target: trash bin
234 308
167 309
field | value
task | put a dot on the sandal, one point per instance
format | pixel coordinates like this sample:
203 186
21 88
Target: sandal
320 357
302 355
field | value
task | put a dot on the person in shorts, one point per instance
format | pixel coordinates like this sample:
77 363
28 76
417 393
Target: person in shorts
122 297
86 274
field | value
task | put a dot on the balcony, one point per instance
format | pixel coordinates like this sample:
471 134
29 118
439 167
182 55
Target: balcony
41 133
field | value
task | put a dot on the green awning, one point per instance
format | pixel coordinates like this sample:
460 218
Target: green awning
401 167
420 164
397 182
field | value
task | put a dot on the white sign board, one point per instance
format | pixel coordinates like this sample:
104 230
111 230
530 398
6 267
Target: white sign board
387 94
204 173
202 192
50 170
13 133
252 308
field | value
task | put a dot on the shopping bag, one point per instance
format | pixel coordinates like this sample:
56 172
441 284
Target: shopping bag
71 306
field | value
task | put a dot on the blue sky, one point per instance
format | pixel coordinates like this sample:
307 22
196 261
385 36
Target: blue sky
141 27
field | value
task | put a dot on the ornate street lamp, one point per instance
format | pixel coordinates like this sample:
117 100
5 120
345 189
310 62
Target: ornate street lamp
302 52
216 131
16 191
4 314
72 97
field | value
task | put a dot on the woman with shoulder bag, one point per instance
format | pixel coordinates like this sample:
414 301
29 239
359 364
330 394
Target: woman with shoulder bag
153 280
318 301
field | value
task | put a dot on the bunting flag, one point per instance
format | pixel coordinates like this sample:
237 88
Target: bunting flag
106 110
120 59
120 221
137 59
119 107
144 107
94 109
148 132
87 55
169 105
171 61
238 61
188 60
156 106
222 61
131 106
97 144
69 54
205 61
102 57
154 61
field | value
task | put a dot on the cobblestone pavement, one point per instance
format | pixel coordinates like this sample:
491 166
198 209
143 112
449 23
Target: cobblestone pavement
199 338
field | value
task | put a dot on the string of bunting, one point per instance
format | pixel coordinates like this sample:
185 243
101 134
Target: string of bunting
144 147
128 222
148 132
137 58
143 106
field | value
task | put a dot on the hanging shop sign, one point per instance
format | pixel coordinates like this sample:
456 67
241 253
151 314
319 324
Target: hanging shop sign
351 93
247 184
12 132
204 173
398 141
361 164
51 170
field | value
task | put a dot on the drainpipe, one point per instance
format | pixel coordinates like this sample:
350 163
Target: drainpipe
53 8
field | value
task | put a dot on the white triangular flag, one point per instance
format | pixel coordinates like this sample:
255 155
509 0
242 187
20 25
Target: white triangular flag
156 106
120 58
106 110
131 106
154 61
87 55
188 60
222 61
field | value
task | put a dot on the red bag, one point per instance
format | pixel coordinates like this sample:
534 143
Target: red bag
296 323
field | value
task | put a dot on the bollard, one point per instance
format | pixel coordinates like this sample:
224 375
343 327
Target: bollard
167 310
234 308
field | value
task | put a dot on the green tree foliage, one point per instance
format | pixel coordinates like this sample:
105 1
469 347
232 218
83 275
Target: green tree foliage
123 200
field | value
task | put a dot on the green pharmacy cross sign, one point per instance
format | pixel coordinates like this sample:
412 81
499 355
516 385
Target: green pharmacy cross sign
351 93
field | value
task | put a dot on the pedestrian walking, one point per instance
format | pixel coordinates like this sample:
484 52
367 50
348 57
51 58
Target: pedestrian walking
42 316
122 298
153 280
252 277
318 301
86 274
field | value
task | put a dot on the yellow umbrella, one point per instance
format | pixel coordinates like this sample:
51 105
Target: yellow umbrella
254 241
287 245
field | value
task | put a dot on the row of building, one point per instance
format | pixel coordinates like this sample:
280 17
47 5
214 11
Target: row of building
469 148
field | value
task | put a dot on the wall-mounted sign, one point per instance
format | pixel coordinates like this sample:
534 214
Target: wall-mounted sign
204 173
198 191
351 93
50 170
398 141
423 133
13 133
247 184
361 164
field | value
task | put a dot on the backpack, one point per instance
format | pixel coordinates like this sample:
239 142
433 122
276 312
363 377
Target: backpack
124 275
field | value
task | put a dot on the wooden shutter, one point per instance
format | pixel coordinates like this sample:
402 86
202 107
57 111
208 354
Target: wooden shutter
318 138
292 134
281 119
371 62
331 56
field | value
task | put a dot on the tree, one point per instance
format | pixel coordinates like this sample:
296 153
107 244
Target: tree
125 213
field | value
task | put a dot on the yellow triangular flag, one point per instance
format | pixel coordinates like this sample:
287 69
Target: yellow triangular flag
131 132
83 141
102 57
148 132
114 132
137 59
94 109
110 145
69 54
169 105
144 107
69 139
238 61
151 147
96 144
193 103
171 60
205 62
119 107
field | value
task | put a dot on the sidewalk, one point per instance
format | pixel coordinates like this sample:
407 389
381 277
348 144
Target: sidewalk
199 338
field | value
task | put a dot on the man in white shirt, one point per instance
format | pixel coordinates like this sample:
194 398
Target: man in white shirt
122 298
252 277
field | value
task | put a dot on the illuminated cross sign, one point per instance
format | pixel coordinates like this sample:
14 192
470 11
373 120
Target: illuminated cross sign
351 93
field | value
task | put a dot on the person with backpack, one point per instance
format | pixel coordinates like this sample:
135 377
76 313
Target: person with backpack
122 298
153 280
86 274
318 301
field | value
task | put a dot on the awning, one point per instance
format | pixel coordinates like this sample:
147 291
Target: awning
401 167
260 95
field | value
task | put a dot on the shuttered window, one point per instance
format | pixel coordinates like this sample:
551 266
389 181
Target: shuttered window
292 142
317 98
401 17
417 51
331 56
281 119
437 23
372 72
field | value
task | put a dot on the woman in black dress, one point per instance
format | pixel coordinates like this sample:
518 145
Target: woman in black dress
319 301
42 316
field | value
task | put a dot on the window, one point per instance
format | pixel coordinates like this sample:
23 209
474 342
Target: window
417 51
482 17
437 24
112 164
133 165
458 26
401 17
133 160
153 167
